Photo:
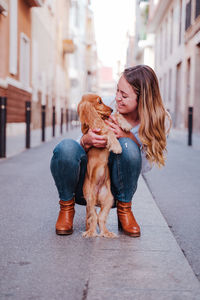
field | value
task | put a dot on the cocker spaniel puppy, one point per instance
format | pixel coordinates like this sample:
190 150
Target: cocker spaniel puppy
96 188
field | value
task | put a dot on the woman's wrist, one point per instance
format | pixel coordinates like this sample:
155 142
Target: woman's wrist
84 144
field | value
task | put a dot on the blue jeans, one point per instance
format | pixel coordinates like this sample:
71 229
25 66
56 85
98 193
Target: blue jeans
69 164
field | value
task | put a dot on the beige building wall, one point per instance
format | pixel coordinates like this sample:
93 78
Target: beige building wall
44 58
85 51
43 62
51 86
4 42
144 41
91 54
15 63
62 85
169 54
176 57
192 62
23 26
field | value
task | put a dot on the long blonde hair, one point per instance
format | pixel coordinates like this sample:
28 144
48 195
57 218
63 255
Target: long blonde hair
151 111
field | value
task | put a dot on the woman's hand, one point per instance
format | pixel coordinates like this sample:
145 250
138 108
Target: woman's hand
115 128
92 138
119 132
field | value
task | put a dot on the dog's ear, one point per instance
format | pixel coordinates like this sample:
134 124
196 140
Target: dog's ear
89 116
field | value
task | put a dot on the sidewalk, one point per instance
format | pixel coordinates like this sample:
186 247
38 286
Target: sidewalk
181 136
37 264
16 143
150 267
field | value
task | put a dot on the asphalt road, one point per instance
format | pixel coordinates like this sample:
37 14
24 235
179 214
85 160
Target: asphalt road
35 263
176 190
32 256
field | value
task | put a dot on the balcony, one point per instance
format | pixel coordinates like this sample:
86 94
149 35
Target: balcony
34 3
68 46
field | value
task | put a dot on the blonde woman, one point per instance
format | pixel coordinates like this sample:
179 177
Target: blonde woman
138 99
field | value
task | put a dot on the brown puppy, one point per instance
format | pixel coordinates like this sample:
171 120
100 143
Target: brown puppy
96 189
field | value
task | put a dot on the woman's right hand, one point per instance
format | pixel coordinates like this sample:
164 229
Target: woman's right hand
92 138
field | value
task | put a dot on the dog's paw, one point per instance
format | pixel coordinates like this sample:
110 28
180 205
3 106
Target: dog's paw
126 127
108 234
116 148
89 233
123 123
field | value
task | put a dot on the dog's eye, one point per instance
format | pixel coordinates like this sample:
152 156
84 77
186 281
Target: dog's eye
99 101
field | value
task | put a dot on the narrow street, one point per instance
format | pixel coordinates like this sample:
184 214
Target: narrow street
176 190
35 263
142 58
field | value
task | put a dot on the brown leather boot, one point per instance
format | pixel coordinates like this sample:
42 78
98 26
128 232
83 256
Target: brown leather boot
64 224
126 219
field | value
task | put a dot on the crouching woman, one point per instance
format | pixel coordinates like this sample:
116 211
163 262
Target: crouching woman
138 99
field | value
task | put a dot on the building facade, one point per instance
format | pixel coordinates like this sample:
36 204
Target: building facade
141 42
47 57
15 58
176 25
83 61
50 82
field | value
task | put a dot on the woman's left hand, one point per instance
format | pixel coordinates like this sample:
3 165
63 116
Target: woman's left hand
115 128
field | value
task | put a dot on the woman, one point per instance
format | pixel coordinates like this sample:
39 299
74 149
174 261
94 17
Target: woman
138 99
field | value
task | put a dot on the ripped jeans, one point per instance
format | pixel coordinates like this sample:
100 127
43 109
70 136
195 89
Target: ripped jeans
69 164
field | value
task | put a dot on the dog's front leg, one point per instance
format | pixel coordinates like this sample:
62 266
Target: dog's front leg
102 218
113 143
91 221
106 199
122 122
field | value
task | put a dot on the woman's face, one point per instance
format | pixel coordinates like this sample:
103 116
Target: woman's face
126 98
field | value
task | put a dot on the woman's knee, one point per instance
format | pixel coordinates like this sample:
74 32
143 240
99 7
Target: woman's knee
125 169
68 150
130 152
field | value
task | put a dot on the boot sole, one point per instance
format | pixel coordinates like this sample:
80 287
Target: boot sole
130 234
64 232
126 232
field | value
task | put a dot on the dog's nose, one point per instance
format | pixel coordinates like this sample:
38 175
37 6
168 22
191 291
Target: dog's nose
111 110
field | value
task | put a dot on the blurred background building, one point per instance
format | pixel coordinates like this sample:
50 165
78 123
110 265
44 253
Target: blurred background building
141 41
176 26
49 56
166 36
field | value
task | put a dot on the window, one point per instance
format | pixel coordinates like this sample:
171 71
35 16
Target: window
35 72
161 44
24 60
156 54
160 86
165 88
77 17
170 85
197 10
188 15
13 37
180 22
171 31
166 37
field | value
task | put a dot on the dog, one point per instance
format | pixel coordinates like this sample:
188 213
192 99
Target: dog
96 188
